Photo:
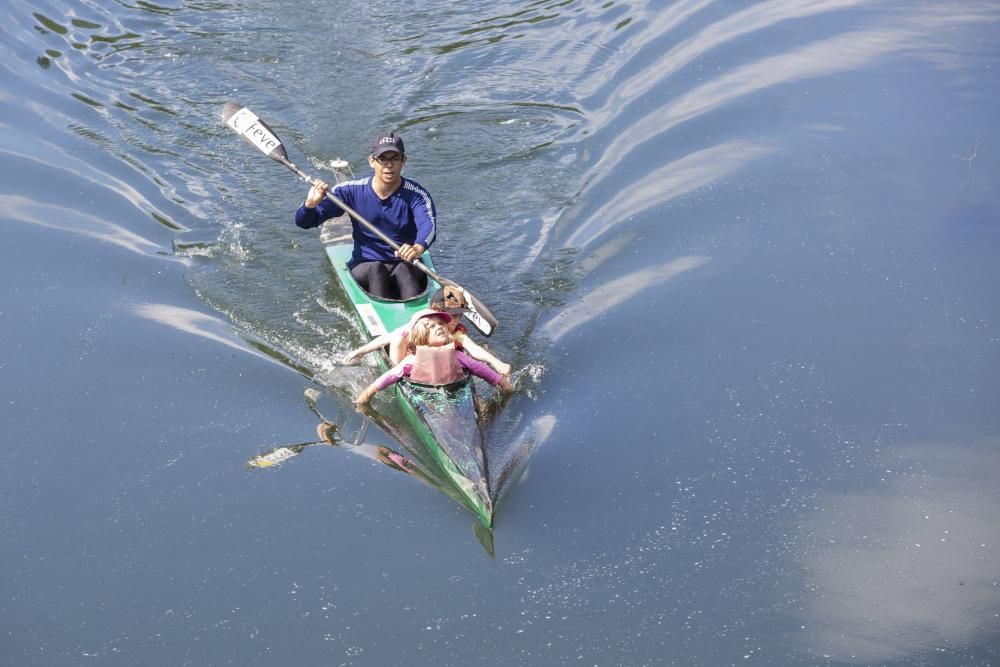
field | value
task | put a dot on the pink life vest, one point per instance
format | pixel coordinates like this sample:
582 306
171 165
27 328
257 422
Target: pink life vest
436 365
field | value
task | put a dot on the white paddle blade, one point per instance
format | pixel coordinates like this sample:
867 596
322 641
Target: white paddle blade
254 131
473 315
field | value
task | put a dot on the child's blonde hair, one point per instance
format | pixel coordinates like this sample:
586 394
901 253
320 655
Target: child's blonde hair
420 333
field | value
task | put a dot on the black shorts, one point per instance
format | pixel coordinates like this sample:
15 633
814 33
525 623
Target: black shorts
400 281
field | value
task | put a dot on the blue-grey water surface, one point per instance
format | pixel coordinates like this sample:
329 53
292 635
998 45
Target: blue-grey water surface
744 255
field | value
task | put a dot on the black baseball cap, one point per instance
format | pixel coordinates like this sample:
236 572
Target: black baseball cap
387 141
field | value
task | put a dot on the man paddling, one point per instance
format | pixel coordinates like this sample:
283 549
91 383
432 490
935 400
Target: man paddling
398 206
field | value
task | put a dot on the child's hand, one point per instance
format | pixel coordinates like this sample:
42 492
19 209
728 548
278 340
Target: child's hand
503 369
352 356
364 397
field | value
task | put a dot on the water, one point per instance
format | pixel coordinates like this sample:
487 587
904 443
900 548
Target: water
746 251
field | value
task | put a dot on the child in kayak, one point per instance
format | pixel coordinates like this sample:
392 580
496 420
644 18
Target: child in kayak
432 358
446 299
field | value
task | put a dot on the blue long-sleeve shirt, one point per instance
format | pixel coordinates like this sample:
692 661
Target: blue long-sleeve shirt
406 216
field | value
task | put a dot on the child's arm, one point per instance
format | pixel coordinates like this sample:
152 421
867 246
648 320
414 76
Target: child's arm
505 384
392 339
371 346
367 393
481 370
397 348
476 352
390 377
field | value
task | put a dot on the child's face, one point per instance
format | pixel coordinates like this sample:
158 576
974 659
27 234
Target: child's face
456 313
438 333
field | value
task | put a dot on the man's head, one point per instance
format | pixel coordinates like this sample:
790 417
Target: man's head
387 158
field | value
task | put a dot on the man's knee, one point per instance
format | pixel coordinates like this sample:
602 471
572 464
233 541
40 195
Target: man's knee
374 278
411 280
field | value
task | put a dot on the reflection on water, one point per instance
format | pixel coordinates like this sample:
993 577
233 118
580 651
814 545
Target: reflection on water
907 568
342 424
510 465
350 437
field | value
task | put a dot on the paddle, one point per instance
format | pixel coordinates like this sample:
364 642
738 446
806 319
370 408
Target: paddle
256 132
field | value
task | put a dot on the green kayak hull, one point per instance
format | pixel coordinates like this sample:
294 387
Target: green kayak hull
437 425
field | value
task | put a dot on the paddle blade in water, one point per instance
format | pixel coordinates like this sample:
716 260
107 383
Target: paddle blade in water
254 131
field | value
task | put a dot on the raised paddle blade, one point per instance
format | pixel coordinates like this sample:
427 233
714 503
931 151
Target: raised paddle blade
254 131
478 314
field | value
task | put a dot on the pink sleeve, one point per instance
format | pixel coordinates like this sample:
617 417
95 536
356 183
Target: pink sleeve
394 375
477 368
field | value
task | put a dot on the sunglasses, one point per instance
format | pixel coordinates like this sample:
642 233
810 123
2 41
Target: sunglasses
389 159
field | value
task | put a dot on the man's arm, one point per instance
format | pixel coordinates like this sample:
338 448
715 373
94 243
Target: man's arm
317 208
424 215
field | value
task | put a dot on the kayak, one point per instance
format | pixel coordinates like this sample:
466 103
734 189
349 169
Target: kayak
438 425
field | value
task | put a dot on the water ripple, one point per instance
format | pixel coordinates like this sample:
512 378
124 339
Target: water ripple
750 20
663 184
66 219
604 298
